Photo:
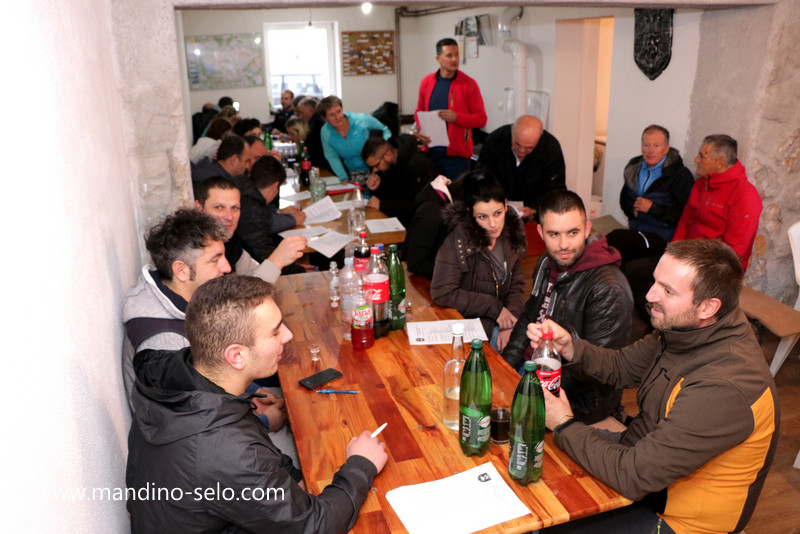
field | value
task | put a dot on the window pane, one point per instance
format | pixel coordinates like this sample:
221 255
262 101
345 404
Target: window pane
298 61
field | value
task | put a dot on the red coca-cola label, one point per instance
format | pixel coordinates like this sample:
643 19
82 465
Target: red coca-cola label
376 288
360 261
550 379
305 164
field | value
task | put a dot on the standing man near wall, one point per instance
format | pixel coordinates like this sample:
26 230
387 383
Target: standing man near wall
460 105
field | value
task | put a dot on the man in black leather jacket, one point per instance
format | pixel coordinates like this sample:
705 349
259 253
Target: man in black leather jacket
579 285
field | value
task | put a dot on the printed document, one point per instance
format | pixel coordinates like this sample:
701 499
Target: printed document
322 211
441 332
378 226
307 232
432 125
330 243
460 504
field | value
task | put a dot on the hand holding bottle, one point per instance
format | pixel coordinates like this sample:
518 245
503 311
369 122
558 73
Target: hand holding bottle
561 338
557 409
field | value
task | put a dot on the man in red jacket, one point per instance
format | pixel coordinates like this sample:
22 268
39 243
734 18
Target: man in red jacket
723 205
460 105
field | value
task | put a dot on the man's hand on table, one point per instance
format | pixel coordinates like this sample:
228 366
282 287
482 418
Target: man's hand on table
370 448
374 202
561 338
288 251
298 214
273 407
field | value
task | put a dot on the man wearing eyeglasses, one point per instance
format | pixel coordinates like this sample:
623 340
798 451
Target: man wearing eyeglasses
397 175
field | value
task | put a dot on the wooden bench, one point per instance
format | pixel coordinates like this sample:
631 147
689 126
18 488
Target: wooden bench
777 317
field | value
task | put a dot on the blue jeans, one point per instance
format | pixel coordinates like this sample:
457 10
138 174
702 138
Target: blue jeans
450 166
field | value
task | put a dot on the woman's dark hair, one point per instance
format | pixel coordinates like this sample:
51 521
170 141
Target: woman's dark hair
480 186
218 128
245 125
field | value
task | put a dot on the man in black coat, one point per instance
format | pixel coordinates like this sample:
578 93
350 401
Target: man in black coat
577 284
526 159
195 435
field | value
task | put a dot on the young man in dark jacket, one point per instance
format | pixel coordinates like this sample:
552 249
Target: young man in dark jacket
578 284
194 430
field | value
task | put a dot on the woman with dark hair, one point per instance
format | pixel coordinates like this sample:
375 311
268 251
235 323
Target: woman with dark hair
478 268
206 146
245 127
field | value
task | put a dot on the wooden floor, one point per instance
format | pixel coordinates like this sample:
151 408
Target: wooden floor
778 509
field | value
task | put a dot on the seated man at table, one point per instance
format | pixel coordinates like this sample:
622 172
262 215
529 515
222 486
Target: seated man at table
188 249
260 221
577 284
397 175
233 158
526 159
657 186
698 453
220 198
194 429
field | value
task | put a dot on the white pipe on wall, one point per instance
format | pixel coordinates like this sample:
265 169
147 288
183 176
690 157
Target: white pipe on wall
519 55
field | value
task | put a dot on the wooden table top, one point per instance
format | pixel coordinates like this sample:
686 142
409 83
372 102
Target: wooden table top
340 225
401 385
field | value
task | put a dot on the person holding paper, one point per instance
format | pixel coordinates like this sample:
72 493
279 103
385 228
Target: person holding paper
478 268
458 99
195 428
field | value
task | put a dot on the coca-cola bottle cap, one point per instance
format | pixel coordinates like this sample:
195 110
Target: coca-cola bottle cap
547 335
362 234
374 250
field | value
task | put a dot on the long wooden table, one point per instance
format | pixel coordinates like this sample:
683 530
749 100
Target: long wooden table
401 385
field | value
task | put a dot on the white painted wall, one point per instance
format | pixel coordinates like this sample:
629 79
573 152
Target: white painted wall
72 250
359 93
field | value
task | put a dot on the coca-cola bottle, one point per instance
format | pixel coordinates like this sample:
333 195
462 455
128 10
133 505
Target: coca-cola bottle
362 329
305 168
376 291
361 252
548 363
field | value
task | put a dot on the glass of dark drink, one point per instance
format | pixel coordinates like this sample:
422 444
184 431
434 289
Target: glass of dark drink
501 420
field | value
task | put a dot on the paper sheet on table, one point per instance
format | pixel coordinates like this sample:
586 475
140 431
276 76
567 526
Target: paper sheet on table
330 243
308 232
517 205
432 125
378 226
467 502
331 180
441 332
322 211
297 196
344 205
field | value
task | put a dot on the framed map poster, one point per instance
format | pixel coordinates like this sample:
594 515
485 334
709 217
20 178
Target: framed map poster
225 61
367 52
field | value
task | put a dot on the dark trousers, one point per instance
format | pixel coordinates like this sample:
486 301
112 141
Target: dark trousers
450 166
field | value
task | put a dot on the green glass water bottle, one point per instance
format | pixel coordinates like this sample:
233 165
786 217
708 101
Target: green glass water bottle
475 402
526 435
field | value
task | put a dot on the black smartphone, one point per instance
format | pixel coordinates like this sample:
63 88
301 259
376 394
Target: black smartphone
317 379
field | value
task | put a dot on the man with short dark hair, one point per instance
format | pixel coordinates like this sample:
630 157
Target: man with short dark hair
233 158
260 221
194 429
278 125
526 159
577 284
397 174
657 186
220 198
697 454
458 99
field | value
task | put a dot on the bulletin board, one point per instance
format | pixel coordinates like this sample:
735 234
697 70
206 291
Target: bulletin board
366 53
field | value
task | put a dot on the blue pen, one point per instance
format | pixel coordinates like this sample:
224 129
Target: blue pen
337 391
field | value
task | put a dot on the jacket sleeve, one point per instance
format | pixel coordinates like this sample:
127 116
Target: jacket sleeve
266 270
255 233
608 312
693 432
515 297
626 201
446 286
421 239
291 509
331 155
741 221
369 123
475 114
680 191
518 342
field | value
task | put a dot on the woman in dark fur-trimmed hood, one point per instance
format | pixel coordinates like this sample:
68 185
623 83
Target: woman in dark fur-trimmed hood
478 268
